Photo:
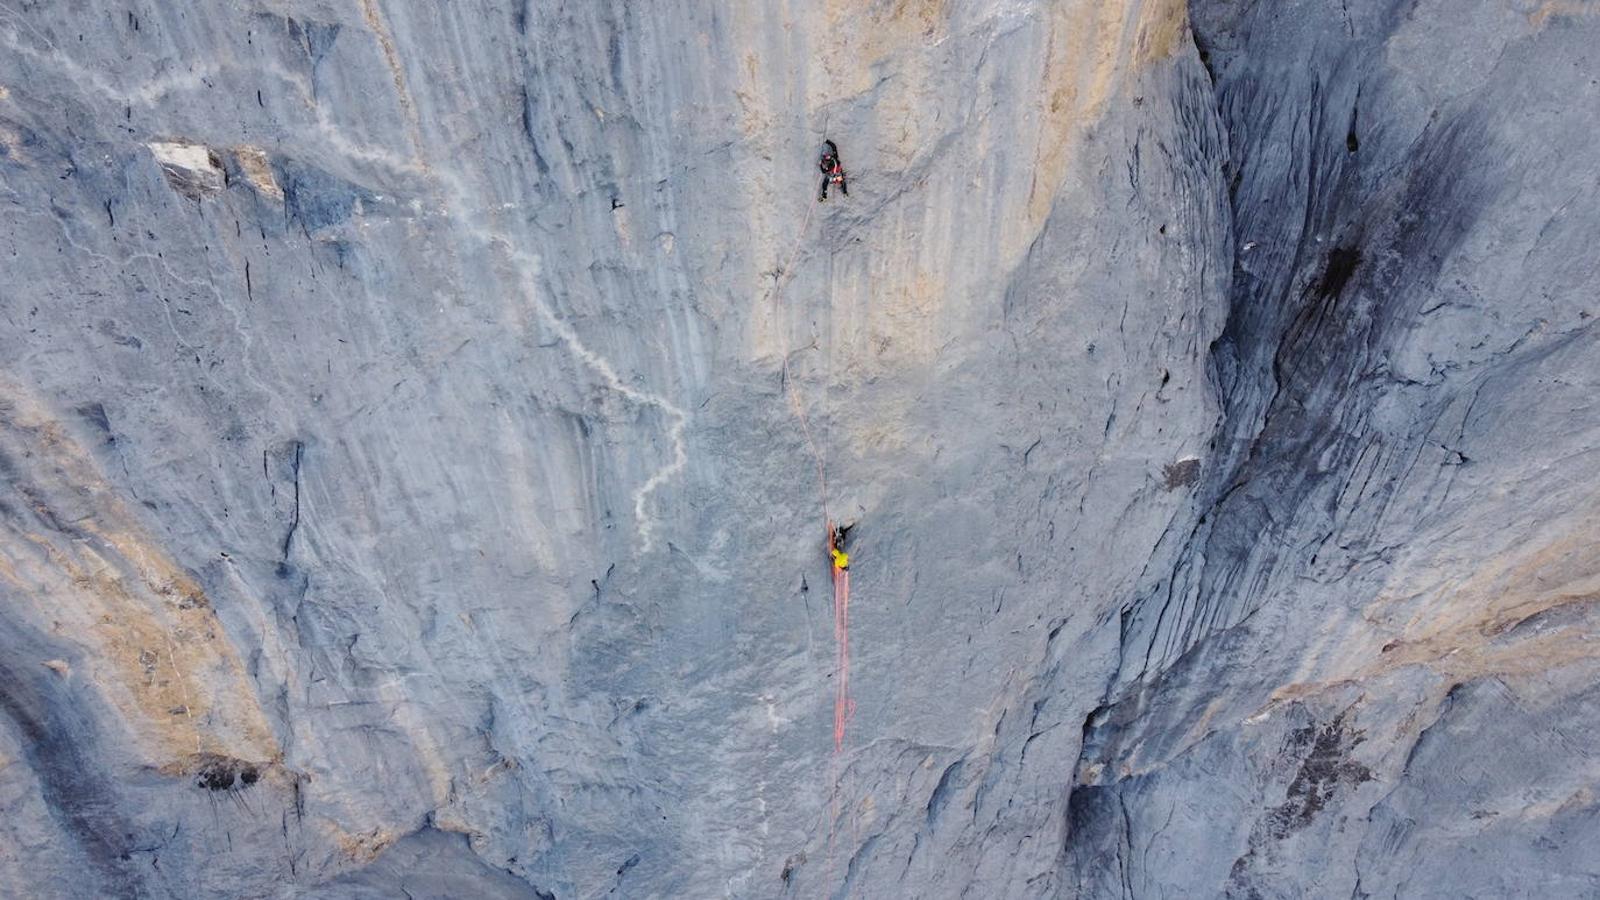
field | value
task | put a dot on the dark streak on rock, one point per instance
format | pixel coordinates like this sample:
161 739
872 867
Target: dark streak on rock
1183 473
1325 765
59 743
941 792
294 519
95 414
215 772
528 133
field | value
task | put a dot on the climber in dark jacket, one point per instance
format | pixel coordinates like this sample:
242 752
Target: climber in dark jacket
832 171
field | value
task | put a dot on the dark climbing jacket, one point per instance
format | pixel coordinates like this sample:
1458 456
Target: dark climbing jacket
830 159
832 171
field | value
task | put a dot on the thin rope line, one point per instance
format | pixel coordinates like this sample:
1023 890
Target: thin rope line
795 401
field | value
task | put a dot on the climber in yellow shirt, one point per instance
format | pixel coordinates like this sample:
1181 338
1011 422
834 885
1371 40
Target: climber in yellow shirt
836 537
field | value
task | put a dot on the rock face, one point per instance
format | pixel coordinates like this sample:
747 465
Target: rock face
418 425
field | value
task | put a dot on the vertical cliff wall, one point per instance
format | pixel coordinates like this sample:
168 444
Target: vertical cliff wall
1360 669
418 424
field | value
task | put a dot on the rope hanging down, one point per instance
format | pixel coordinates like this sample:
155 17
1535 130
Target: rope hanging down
843 705
795 401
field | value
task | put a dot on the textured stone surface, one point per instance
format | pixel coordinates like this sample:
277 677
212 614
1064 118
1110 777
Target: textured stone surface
1347 676
400 491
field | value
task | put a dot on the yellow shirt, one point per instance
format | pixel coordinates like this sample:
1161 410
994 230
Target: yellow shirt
841 559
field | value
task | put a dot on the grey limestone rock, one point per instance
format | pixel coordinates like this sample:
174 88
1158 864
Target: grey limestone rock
419 424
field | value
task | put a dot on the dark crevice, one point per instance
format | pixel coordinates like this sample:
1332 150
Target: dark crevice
58 740
857 859
528 133
1342 263
941 792
294 516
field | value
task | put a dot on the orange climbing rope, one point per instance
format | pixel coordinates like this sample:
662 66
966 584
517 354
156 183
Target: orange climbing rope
795 402
841 577
843 705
